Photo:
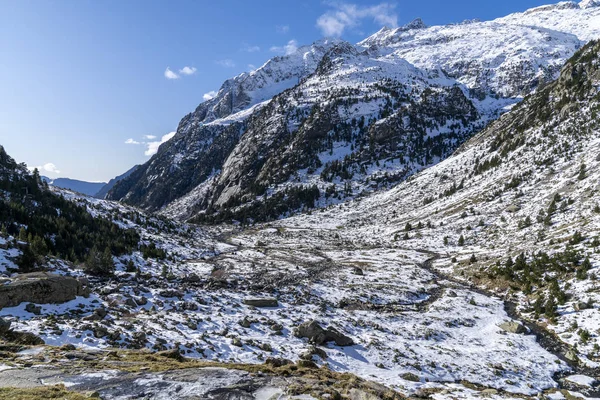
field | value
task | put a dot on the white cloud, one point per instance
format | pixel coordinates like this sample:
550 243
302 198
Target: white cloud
346 15
149 137
209 95
250 49
251 67
48 167
187 70
132 141
287 49
282 29
170 74
227 63
152 147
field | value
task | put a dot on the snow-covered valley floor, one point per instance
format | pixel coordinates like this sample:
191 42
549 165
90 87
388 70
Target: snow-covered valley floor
413 330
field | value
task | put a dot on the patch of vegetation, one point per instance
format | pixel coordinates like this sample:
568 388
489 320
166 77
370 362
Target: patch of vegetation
39 393
51 224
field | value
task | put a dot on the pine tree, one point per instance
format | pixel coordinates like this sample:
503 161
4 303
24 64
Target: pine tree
22 234
550 308
27 260
106 262
461 240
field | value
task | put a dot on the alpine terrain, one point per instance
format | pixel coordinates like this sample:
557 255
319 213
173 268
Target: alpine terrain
335 120
413 216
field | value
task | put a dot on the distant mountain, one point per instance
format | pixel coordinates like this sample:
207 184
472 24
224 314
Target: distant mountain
335 120
87 188
106 188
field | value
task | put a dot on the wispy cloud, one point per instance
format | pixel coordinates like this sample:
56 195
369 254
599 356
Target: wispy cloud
170 74
251 67
282 29
227 63
48 167
187 70
152 147
209 95
150 143
250 49
345 15
287 49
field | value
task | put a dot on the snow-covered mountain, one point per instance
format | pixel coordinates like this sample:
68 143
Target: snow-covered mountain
335 120
84 187
475 278
515 209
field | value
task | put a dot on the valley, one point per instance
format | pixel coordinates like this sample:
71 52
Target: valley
409 217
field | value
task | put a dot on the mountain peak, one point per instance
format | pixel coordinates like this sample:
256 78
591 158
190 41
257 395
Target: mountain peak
416 23
589 3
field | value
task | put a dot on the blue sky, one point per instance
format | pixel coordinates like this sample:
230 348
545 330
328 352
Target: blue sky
80 78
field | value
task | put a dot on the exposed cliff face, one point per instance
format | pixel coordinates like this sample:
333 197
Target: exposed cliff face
334 120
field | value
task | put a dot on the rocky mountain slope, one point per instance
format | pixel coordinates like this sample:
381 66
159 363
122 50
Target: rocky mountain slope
476 278
515 210
349 119
107 187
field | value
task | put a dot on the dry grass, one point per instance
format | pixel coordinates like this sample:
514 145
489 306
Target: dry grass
38 393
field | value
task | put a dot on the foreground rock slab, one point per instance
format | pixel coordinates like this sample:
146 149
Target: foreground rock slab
40 288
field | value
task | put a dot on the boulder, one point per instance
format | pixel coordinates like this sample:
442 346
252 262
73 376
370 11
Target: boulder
32 308
571 355
311 330
4 326
169 293
261 302
333 335
277 362
100 331
512 327
173 354
97 315
23 338
317 335
313 351
40 288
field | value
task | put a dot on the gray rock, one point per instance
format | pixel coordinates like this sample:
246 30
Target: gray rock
130 302
80 355
141 301
100 331
171 293
333 335
571 355
317 335
40 288
4 326
32 308
261 302
512 327
313 351
245 323
97 315
172 354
